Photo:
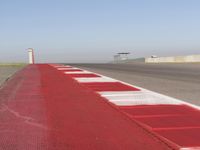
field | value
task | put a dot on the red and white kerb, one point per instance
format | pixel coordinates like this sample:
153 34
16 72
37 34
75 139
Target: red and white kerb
173 120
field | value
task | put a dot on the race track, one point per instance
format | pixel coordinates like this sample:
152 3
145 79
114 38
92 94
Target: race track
181 81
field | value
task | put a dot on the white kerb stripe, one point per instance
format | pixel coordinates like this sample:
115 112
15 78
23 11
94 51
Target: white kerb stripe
141 98
95 79
118 93
77 72
65 68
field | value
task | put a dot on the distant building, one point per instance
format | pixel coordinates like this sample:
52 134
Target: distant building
121 56
124 55
117 58
154 56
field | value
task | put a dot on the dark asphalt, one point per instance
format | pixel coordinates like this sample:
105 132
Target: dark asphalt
181 81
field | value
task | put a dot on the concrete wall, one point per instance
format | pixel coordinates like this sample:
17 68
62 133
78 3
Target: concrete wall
175 59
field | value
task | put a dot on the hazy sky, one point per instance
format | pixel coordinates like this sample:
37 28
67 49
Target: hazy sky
94 30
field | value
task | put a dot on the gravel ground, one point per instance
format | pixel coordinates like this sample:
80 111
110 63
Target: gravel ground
181 81
7 71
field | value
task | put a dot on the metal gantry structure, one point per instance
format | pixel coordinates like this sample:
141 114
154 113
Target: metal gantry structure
121 56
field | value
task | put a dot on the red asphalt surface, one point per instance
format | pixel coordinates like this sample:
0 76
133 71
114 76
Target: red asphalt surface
42 108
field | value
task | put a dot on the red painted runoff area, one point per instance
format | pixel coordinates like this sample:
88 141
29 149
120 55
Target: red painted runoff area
159 110
42 108
171 122
88 75
177 123
109 86
23 121
187 137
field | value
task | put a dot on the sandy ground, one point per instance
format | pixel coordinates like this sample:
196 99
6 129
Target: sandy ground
7 71
181 81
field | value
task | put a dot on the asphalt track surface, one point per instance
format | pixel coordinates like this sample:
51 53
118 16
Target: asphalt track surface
180 81
42 108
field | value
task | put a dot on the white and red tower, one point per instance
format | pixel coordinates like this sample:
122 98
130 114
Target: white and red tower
31 56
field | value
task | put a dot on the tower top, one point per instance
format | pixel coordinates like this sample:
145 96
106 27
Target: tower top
31 55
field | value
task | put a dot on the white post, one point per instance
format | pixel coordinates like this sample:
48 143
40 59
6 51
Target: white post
31 56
